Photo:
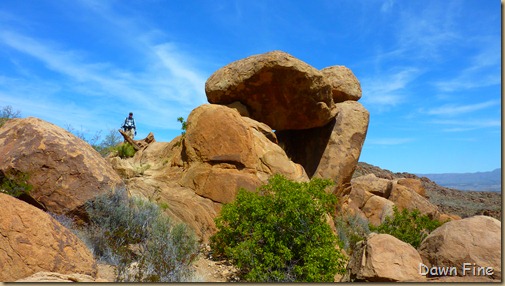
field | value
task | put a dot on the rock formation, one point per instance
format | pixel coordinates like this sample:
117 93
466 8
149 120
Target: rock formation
475 241
345 85
64 170
383 258
53 277
220 153
297 101
277 89
373 198
32 241
332 151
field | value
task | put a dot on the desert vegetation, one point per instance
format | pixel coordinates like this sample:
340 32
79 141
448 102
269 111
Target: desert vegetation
280 234
137 238
409 226
15 183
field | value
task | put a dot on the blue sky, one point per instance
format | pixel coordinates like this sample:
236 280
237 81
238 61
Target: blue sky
430 70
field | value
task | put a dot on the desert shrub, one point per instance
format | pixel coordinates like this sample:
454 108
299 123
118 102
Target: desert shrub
409 226
134 235
280 233
8 113
15 183
125 150
184 127
109 143
350 230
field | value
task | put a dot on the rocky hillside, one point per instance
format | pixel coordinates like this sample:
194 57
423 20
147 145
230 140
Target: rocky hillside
462 203
268 114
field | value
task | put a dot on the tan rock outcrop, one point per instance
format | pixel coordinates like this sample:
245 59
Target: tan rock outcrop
64 170
345 85
405 198
358 197
413 184
219 137
372 184
277 89
195 174
383 258
53 277
475 241
332 151
32 241
377 208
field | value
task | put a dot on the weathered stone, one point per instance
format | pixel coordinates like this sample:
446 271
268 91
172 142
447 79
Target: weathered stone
332 151
53 277
383 258
377 208
277 89
405 198
64 170
345 85
414 184
32 241
374 185
217 184
195 174
475 241
358 197
219 135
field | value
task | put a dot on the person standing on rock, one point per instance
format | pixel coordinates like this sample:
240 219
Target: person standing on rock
129 126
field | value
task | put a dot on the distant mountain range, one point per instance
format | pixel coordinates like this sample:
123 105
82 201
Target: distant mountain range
479 181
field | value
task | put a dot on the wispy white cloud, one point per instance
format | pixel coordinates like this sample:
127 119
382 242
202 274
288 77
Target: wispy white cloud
168 84
482 71
388 90
387 5
425 30
451 110
467 124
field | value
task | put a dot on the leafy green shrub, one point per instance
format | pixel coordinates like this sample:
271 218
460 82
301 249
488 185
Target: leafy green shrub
280 233
409 226
184 125
125 150
15 183
134 235
351 229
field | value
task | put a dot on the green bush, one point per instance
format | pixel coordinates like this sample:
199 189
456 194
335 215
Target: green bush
409 226
15 183
280 234
125 150
351 229
134 235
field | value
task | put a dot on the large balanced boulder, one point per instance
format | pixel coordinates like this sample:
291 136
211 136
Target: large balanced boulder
332 151
64 170
345 85
32 241
383 258
471 245
277 89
